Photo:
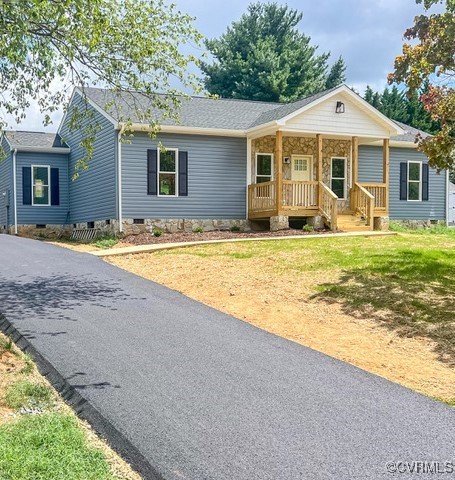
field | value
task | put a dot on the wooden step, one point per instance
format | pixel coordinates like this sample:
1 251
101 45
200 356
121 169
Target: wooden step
352 223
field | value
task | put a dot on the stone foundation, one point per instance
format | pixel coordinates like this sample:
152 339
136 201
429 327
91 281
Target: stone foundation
381 223
174 225
280 222
50 231
418 224
316 222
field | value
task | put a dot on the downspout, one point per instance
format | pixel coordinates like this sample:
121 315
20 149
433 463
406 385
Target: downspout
15 191
119 179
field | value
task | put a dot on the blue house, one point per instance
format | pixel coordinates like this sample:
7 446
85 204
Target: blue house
330 159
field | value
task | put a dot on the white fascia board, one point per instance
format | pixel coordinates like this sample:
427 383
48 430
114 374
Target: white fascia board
43 149
356 98
100 110
222 132
4 136
396 144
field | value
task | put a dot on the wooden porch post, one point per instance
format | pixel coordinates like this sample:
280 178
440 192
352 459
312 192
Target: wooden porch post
385 170
319 167
279 171
355 159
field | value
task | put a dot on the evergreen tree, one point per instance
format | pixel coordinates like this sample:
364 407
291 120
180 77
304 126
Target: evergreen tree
264 56
337 74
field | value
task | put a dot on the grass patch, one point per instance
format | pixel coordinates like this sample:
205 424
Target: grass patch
106 241
49 447
25 393
6 345
405 282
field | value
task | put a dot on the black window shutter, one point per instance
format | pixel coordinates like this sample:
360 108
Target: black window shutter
403 181
55 187
152 172
26 185
183 174
425 182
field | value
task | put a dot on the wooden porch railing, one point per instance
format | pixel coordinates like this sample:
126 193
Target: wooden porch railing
298 198
262 198
300 194
362 202
329 205
380 194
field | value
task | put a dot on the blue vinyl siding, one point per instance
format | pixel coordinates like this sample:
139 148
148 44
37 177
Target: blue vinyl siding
370 170
6 185
34 214
216 178
93 194
370 164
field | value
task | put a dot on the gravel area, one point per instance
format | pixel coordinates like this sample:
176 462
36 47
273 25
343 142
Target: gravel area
149 238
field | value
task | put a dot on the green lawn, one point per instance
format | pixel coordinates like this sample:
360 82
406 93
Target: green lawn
405 282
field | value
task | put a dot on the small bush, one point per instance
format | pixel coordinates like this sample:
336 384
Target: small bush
308 228
198 230
106 241
235 228
433 230
29 365
157 232
25 393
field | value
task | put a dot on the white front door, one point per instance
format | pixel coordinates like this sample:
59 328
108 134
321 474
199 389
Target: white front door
301 168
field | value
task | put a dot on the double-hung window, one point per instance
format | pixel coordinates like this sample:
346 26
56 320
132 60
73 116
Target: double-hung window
167 172
40 183
264 167
415 181
338 177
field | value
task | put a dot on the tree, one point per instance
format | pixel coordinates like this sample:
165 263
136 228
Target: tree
337 74
125 45
405 108
263 56
431 58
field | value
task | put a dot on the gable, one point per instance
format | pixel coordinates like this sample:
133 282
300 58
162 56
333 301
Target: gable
355 121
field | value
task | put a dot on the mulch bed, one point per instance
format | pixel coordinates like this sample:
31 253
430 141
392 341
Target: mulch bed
149 238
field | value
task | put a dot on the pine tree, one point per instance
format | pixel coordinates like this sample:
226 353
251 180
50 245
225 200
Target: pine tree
264 56
337 74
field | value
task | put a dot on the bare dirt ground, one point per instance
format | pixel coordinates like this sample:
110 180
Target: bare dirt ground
281 300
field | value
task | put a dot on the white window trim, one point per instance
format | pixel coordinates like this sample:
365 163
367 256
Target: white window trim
345 178
272 166
176 150
310 158
48 204
415 181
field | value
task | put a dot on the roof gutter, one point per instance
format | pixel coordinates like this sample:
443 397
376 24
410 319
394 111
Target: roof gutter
15 191
44 149
224 132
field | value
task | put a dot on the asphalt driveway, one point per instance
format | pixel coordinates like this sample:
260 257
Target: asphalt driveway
202 395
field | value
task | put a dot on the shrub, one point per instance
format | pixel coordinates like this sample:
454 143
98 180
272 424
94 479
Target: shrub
157 232
6 345
198 230
307 228
106 241
235 228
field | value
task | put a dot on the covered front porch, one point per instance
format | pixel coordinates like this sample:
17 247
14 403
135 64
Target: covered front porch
314 175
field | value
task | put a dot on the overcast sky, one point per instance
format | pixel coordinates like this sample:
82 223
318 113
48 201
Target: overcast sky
367 33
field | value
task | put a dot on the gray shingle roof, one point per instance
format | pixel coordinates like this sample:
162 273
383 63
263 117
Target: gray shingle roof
22 138
410 134
204 112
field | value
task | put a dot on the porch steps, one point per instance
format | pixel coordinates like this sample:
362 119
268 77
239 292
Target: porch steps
352 223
